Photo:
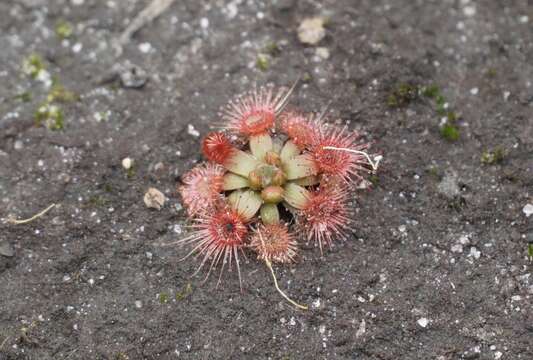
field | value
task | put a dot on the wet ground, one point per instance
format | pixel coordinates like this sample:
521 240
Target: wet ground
437 266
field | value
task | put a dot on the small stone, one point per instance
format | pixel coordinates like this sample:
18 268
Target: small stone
449 186
322 52
474 91
361 330
464 240
18 145
192 131
132 76
311 30
423 322
127 163
469 11
204 23
6 249
475 253
528 209
457 248
138 304
154 199
145 47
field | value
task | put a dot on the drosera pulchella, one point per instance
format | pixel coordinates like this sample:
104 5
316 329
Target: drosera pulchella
273 178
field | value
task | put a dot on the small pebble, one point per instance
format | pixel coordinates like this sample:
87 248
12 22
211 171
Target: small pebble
423 322
145 47
311 30
457 248
132 76
127 163
322 52
475 253
154 199
6 249
192 131
528 210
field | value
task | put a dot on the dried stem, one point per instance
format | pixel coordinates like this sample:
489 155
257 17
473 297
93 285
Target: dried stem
269 265
373 164
25 221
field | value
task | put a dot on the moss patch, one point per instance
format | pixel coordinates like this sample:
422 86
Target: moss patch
402 95
49 115
494 156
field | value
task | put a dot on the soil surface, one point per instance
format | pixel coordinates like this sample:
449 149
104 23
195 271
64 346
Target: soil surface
437 266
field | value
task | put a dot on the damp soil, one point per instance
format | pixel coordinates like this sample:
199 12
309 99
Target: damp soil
436 265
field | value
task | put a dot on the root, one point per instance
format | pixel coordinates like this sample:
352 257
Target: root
148 14
373 163
294 303
14 221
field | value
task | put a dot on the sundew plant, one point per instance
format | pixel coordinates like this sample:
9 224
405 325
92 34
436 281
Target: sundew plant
272 179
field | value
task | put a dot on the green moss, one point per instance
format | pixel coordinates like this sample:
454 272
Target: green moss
402 95
32 65
130 173
163 298
530 250
49 115
97 201
24 96
306 77
272 49
63 29
431 91
452 117
374 179
262 62
434 172
187 290
60 94
121 356
450 132
491 73
495 156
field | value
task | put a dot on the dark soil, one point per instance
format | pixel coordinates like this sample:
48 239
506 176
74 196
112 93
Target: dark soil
437 267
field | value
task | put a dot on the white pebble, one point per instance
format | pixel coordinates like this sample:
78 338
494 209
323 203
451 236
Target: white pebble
127 163
204 23
457 248
76 48
469 10
192 131
474 91
423 322
145 47
475 253
528 209
138 304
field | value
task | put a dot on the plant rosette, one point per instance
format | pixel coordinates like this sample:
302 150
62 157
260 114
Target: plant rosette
272 178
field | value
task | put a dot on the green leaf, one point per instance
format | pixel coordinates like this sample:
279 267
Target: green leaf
289 151
260 145
241 163
296 195
246 202
300 166
269 214
233 182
